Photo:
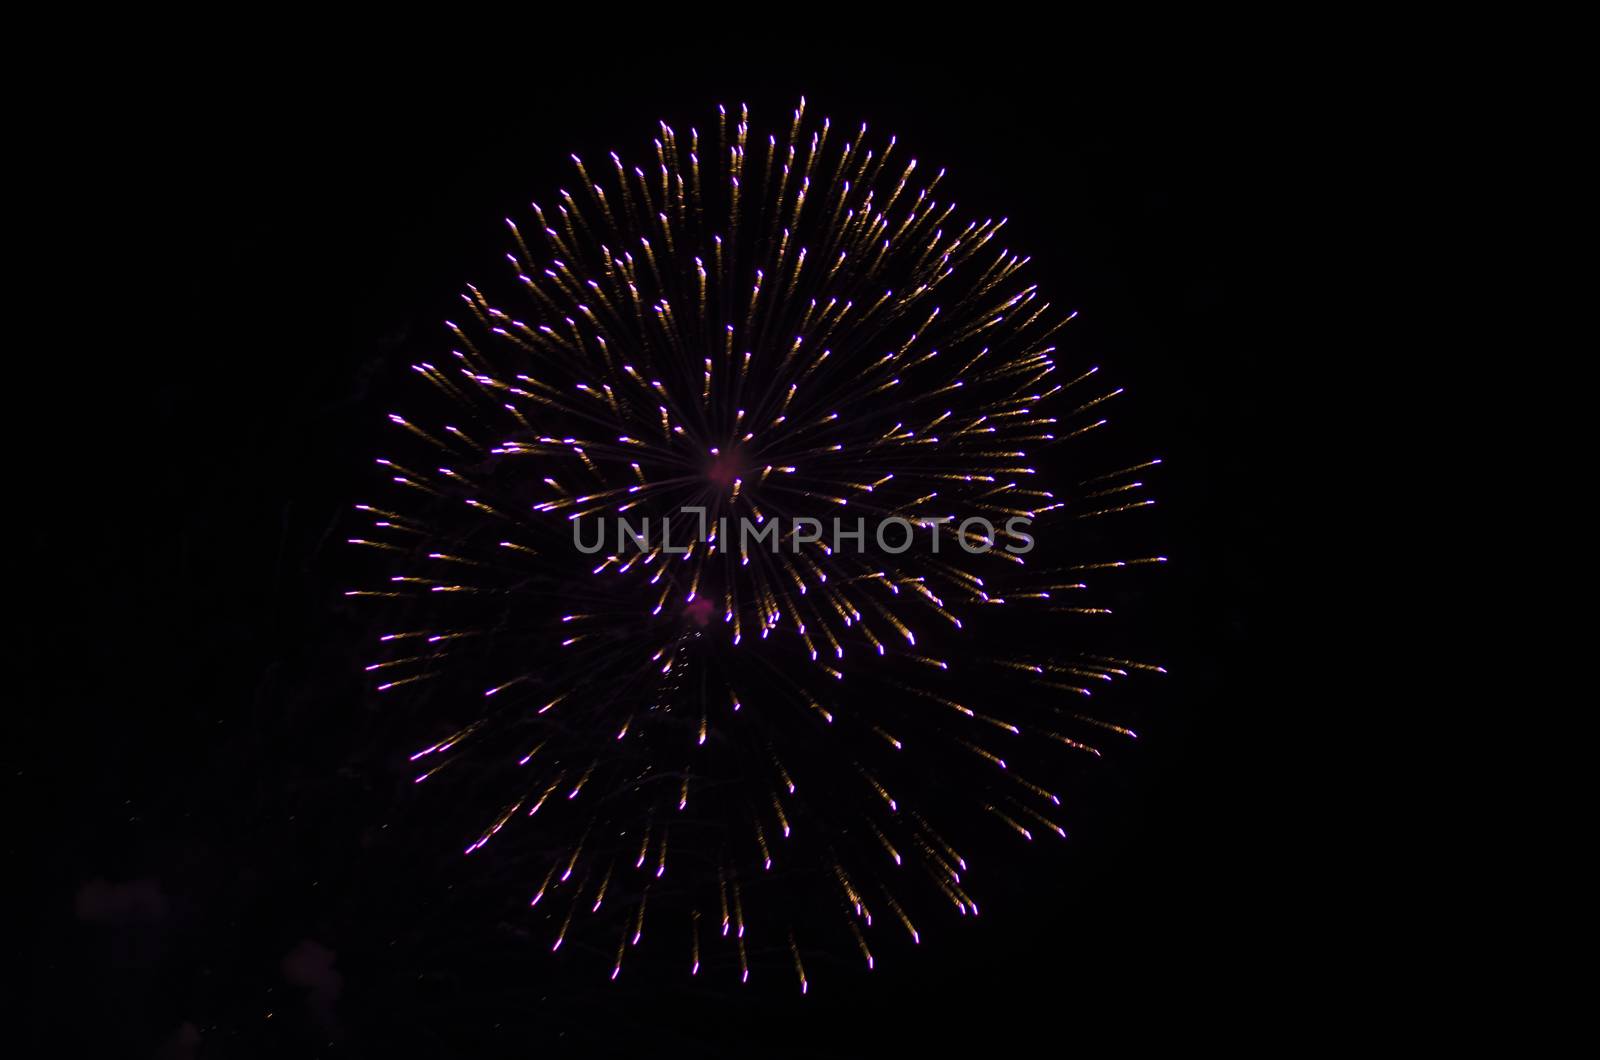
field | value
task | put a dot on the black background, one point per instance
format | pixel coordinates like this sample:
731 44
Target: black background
249 251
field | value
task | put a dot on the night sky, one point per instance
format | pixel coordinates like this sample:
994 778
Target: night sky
217 860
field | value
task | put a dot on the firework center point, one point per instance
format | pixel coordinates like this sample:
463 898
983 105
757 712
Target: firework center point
723 468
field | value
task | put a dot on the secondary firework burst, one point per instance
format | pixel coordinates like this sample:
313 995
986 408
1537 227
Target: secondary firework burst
706 747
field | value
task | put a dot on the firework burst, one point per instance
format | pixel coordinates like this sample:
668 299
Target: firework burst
691 735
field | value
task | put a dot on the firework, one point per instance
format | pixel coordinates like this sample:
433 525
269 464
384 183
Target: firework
687 734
